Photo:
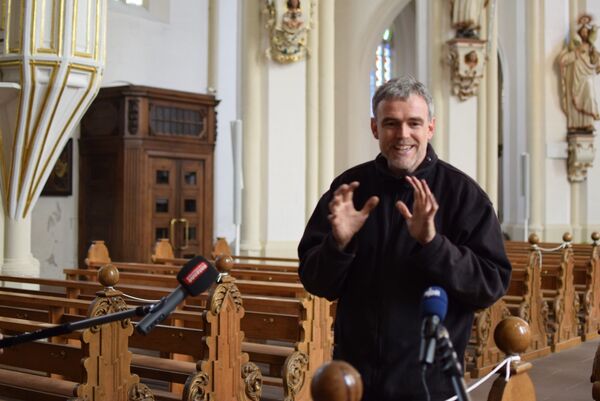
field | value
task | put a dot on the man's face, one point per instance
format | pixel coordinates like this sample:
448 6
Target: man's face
403 130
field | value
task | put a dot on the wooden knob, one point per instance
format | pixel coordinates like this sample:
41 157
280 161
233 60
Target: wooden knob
224 263
534 239
108 275
512 335
567 237
336 381
595 236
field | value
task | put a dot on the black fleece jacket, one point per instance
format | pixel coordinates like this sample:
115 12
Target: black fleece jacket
380 277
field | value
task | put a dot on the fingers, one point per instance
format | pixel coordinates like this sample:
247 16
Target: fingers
343 193
424 200
403 209
372 202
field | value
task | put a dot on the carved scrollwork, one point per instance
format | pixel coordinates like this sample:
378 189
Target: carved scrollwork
484 323
218 297
195 387
133 116
104 306
140 392
295 375
253 381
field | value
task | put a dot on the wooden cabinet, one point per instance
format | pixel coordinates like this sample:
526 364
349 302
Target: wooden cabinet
146 172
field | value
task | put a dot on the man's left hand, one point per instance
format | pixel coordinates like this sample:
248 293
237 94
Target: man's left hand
420 222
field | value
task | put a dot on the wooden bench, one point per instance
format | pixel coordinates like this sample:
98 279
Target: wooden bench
224 370
587 284
84 370
292 359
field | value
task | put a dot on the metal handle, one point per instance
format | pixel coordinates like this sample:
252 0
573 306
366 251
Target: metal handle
186 234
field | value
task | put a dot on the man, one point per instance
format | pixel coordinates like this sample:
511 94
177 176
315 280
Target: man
385 231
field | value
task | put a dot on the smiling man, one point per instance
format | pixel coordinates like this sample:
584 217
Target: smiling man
385 231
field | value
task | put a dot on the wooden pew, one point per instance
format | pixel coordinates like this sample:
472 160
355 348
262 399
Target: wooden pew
97 368
223 370
163 254
312 341
561 303
587 284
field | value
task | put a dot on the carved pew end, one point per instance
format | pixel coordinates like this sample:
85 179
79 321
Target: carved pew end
336 381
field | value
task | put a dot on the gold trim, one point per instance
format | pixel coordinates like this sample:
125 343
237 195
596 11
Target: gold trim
88 53
53 39
3 19
93 75
30 133
61 26
8 177
8 28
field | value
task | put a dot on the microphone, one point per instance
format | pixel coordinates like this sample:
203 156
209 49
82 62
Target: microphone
195 277
434 305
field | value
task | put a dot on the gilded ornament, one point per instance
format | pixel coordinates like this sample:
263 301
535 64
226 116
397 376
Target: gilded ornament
195 387
288 28
295 374
253 380
219 294
140 392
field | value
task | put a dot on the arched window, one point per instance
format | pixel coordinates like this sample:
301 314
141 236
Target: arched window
382 71
141 3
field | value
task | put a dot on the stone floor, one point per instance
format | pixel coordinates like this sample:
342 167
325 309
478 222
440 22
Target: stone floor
562 376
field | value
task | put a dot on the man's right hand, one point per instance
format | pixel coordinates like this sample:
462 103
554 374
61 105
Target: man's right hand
345 219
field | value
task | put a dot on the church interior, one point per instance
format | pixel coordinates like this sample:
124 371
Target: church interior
137 134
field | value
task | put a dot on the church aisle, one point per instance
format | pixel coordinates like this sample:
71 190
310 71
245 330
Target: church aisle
562 376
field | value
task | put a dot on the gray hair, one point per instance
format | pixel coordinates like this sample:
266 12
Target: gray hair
401 89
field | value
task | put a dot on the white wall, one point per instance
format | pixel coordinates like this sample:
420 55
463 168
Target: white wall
167 49
228 110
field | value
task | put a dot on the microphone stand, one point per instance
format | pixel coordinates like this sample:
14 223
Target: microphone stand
451 365
72 326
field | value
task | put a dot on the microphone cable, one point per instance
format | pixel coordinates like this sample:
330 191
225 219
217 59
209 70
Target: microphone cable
424 381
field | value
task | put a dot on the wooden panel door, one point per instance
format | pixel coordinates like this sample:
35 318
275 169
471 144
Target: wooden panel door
191 208
163 179
178 193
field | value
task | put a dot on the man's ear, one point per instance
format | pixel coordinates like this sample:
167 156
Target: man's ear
431 128
374 128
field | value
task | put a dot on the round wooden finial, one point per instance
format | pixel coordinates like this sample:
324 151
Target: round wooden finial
534 239
108 275
512 335
595 236
336 381
224 263
567 237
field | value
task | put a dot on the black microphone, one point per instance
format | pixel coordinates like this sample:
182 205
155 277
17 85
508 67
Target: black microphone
434 305
195 277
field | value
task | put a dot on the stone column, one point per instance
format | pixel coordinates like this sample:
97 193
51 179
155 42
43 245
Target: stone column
312 115
535 76
326 93
492 106
252 108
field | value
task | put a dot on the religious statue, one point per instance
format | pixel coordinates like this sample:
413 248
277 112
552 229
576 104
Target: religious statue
466 17
579 64
288 30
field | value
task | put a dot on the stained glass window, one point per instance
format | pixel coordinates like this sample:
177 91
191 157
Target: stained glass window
382 71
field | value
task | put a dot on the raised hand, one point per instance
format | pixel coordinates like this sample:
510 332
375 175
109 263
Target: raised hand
344 218
420 223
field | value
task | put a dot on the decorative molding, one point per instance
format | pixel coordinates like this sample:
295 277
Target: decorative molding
466 58
252 377
581 156
296 366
